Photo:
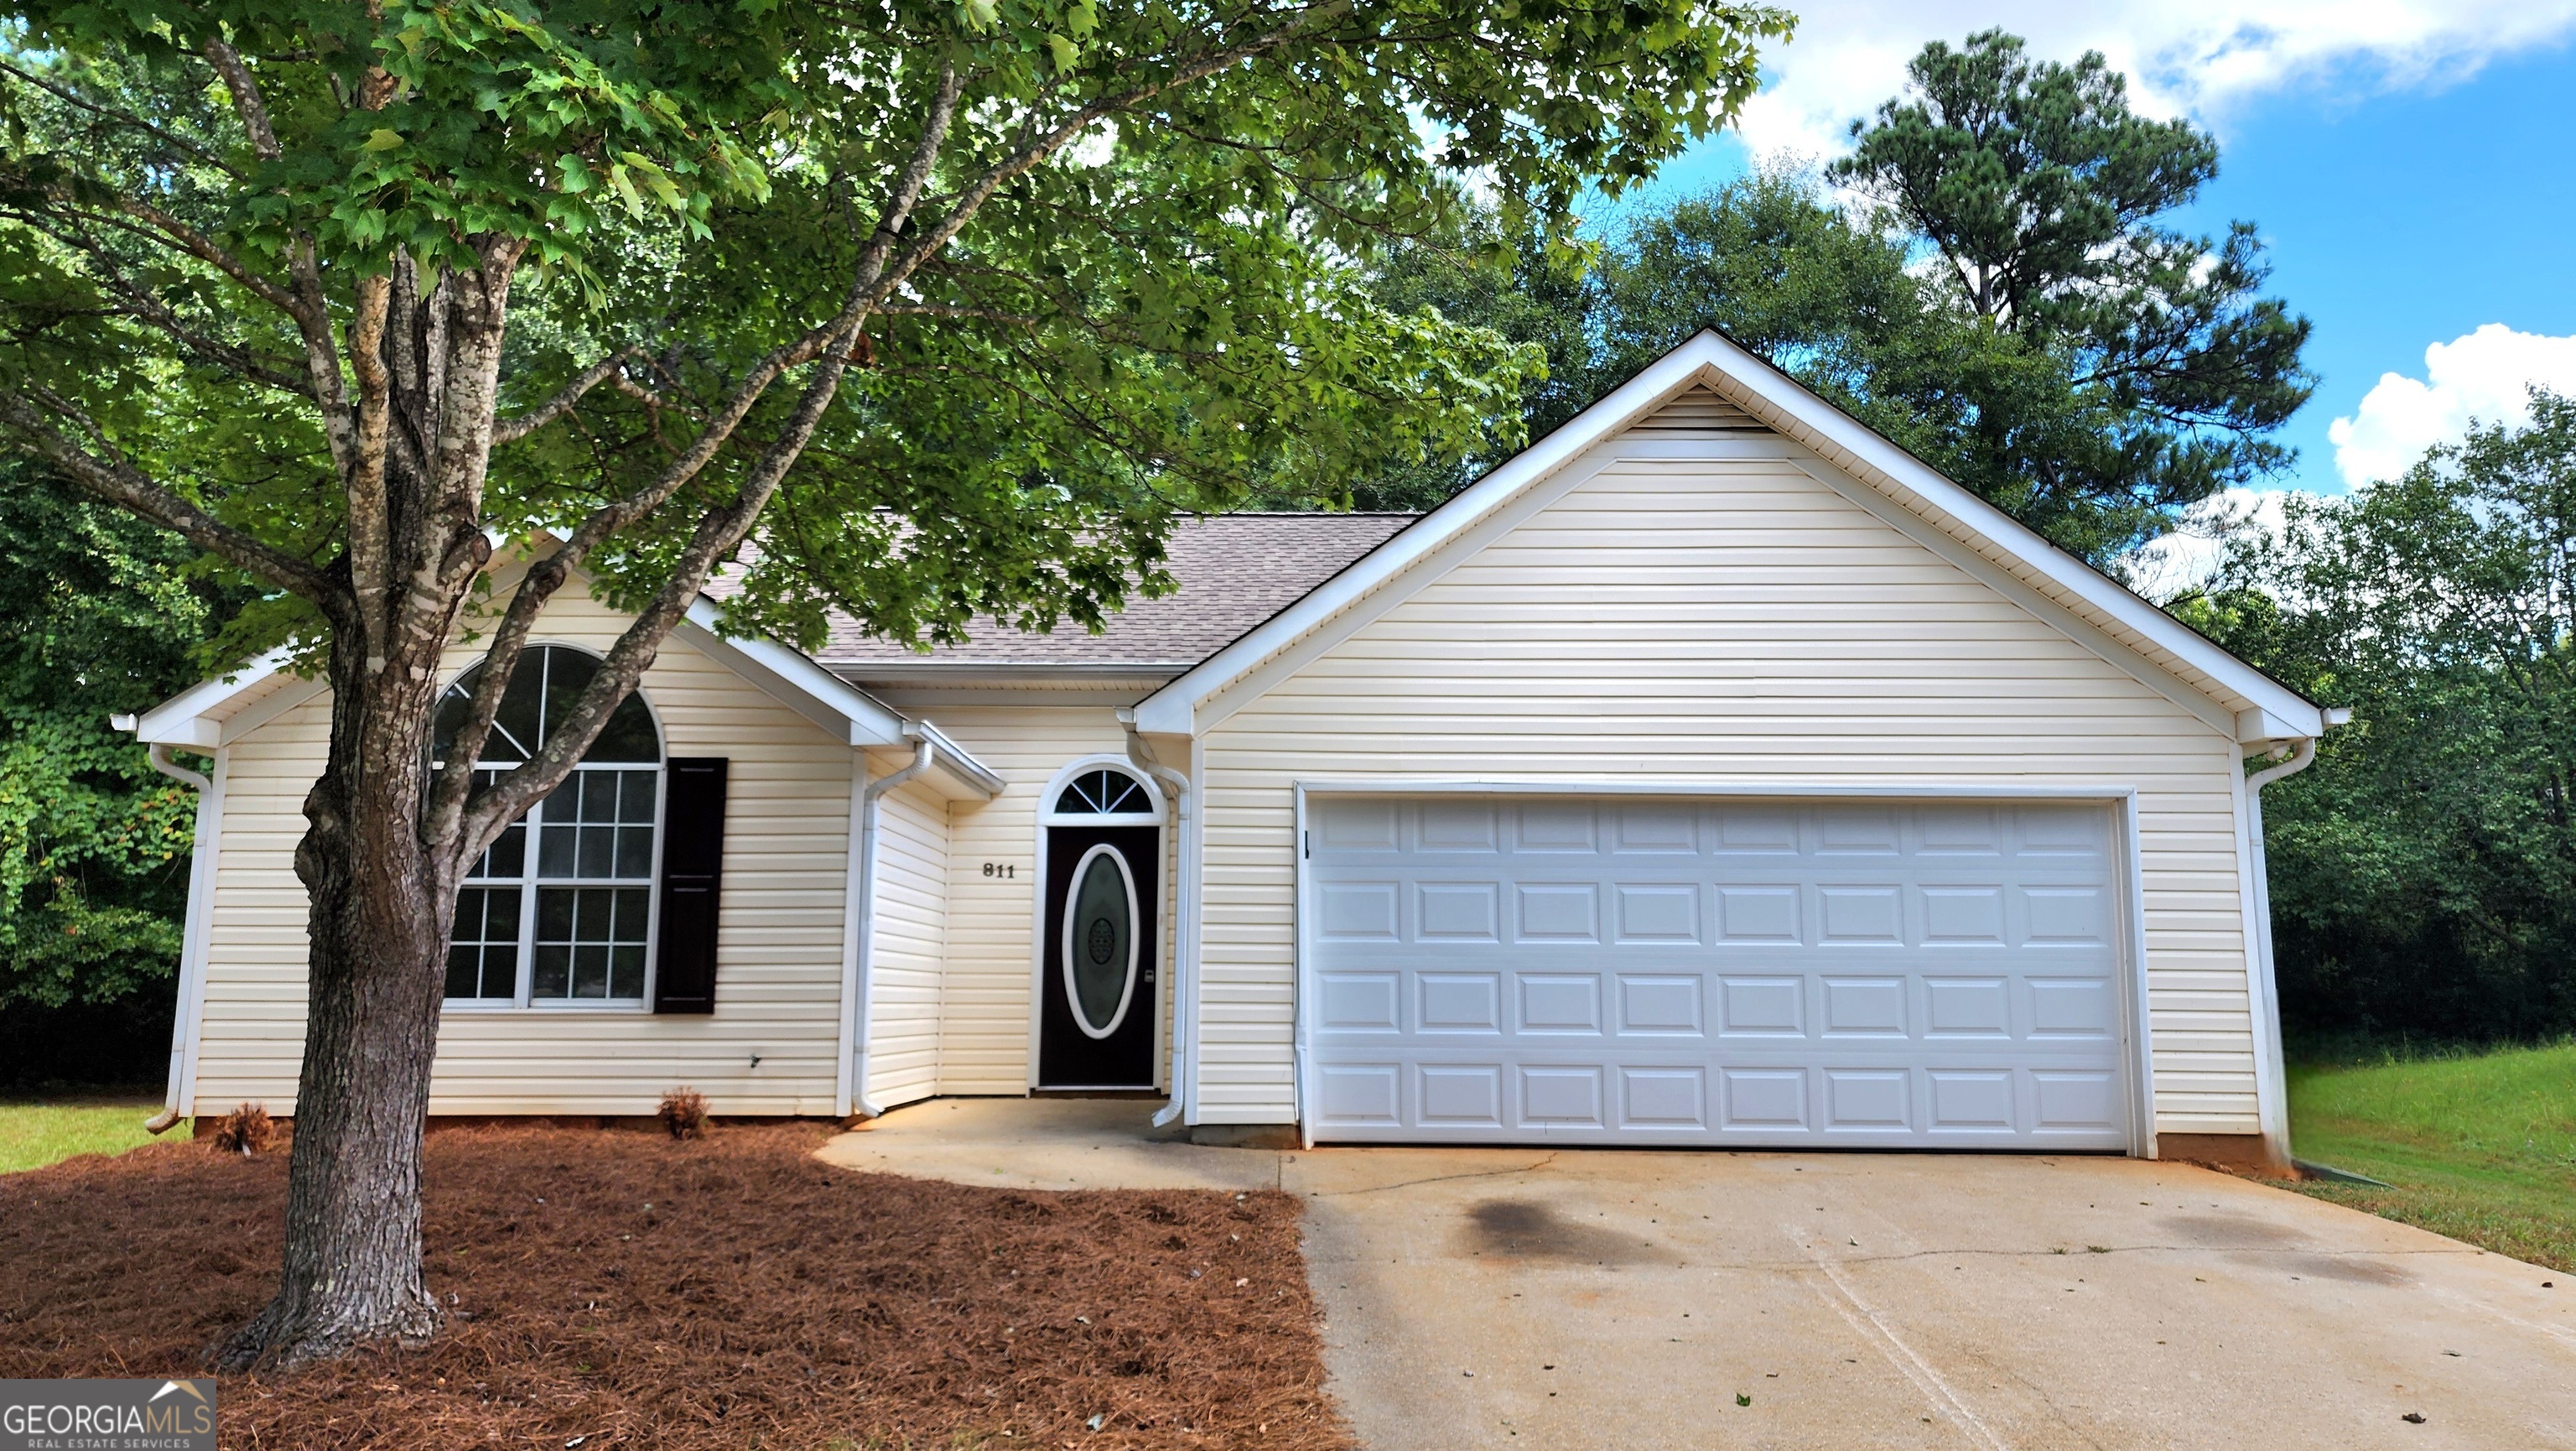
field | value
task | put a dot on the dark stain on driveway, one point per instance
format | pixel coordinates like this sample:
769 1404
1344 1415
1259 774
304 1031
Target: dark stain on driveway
2229 1231
2351 1269
1524 1229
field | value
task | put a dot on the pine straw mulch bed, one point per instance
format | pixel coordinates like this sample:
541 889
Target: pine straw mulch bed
621 1289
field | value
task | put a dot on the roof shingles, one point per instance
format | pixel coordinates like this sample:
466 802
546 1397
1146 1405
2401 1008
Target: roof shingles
1234 571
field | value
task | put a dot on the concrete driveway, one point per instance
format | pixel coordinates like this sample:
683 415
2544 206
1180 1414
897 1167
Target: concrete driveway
1586 1298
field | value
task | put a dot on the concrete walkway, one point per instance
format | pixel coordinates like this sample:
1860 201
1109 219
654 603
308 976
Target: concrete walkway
1585 1298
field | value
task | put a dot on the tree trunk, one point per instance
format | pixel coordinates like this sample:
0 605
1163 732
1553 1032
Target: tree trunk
379 924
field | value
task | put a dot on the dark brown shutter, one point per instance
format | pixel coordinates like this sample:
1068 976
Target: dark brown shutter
693 813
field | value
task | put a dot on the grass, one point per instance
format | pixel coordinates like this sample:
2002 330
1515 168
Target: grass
2478 1147
34 1133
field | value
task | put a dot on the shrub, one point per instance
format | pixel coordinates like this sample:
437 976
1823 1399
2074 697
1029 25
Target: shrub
684 1113
246 1130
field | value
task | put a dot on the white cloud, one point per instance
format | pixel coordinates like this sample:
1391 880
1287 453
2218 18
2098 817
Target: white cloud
2178 563
2181 56
2483 376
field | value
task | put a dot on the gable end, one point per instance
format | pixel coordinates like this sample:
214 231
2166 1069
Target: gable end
1699 412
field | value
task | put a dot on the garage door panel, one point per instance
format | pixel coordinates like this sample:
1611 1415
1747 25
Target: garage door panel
1661 1004
1556 912
1459 1002
1493 969
1359 1002
1557 1004
1656 914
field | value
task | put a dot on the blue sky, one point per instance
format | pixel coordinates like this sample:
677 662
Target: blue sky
2407 218
2411 166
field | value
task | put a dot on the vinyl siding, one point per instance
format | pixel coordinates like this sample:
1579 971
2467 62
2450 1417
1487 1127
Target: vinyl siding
1726 619
780 941
990 958
908 954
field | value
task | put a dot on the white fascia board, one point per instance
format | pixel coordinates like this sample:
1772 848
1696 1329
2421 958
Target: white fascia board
182 720
1777 393
2254 725
1173 710
1777 399
813 691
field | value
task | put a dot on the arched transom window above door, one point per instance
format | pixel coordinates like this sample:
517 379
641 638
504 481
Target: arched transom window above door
1105 791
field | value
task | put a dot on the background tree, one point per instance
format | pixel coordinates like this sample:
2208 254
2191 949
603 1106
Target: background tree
106 616
2150 369
2067 356
341 294
2424 869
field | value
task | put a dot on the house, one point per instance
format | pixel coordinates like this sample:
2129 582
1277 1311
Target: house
1711 773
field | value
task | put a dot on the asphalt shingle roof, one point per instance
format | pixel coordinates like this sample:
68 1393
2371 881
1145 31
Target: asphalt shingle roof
1234 571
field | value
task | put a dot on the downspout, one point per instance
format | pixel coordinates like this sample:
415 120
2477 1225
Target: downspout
201 870
2276 1117
1184 915
924 752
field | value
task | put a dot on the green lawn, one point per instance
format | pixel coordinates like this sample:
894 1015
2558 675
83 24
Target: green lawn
2479 1148
35 1133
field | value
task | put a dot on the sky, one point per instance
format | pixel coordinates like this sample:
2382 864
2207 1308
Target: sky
2411 166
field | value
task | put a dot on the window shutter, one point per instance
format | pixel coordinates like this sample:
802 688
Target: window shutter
693 813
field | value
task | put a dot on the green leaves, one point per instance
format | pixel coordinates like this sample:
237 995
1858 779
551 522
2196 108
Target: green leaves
1145 295
2424 869
93 843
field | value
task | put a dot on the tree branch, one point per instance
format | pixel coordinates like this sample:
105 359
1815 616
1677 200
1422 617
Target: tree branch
108 475
720 531
562 403
1039 147
312 308
655 401
933 309
125 118
247 102
369 520
466 829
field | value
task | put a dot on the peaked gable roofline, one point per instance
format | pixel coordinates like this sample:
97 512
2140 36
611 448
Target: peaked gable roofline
2263 708
212 712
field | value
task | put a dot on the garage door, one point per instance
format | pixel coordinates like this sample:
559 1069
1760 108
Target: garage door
1673 970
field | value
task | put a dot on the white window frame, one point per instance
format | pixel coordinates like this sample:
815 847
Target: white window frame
530 882
1063 781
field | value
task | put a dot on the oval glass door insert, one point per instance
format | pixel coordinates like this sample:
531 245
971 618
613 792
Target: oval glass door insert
1100 941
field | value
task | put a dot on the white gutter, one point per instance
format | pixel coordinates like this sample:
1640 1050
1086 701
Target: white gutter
192 948
1184 918
2272 1076
859 978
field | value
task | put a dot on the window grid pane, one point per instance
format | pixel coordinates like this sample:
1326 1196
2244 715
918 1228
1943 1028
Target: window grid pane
1103 793
483 951
590 942
598 827
507 858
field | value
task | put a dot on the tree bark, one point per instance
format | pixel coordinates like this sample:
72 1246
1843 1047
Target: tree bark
379 924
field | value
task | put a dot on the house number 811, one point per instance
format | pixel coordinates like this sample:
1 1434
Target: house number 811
1001 869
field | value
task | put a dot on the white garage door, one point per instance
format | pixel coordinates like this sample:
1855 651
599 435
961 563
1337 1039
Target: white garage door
1670 970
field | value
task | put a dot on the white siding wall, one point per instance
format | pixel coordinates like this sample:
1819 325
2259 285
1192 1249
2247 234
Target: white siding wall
779 945
1723 620
984 1016
911 929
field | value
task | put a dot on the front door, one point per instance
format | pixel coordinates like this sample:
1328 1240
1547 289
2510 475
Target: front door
1097 1000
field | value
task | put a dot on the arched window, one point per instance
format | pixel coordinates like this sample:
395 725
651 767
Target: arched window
1104 793
572 921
